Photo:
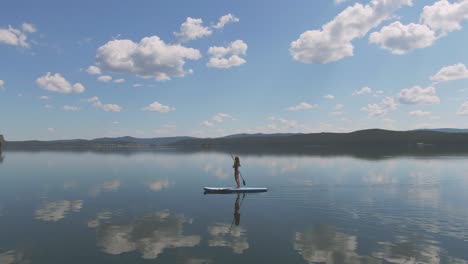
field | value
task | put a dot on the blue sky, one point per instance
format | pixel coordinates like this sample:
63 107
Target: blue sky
213 68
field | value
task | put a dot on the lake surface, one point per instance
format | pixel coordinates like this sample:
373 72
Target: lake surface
149 207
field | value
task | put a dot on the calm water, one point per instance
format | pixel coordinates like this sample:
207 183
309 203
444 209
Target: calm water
64 207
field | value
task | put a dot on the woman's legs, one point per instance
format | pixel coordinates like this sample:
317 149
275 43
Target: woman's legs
236 177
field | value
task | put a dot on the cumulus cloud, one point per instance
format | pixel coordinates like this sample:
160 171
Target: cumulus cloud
227 57
452 72
363 90
463 110
400 39
93 70
119 80
419 113
382 108
151 57
445 16
340 1
192 29
2 84
226 19
329 97
301 106
70 108
16 37
57 83
106 107
105 78
44 97
334 41
157 107
418 95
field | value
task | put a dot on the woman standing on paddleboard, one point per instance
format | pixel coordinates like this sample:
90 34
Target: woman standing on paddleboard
236 170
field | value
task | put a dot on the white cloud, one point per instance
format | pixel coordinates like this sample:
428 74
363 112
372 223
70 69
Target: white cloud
301 106
70 108
57 83
363 90
463 110
2 84
192 29
445 16
220 117
334 41
419 113
29 28
339 106
157 107
389 103
226 19
93 70
44 97
381 109
48 106
106 107
226 235
400 39
137 85
207 123
418 95
452 72
219 55
284 122
340 1
105 78
16 37
329 97
151 57
51 129
119 81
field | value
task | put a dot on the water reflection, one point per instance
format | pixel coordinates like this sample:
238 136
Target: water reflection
11 256
323 244
233 236
150 235
57 210
158 185
108 186
408 251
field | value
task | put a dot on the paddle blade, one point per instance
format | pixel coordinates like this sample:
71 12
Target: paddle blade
243 181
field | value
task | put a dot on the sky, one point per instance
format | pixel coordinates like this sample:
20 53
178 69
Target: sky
89 69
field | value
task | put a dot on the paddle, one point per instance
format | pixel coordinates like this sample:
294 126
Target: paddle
243 181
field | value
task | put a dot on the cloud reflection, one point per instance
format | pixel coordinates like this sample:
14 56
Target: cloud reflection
150 235
108 186
57 210
323 244
407 251
225 235
158 185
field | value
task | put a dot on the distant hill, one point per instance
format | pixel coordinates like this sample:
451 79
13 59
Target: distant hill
97 143
244 135
369 137
445 130
375 138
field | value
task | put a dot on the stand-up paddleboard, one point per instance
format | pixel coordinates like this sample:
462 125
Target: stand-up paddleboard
234 189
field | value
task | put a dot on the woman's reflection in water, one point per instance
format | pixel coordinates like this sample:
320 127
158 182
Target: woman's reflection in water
237 206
